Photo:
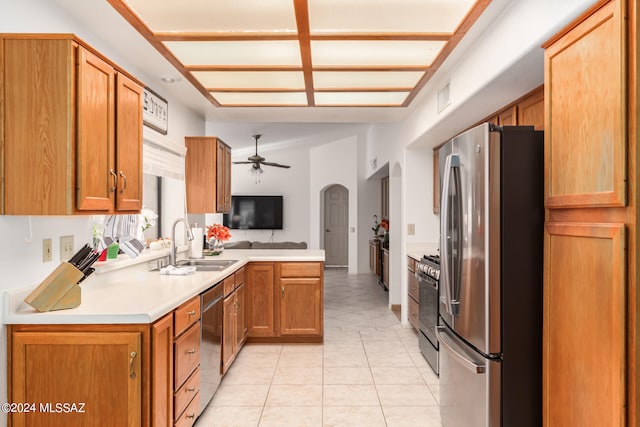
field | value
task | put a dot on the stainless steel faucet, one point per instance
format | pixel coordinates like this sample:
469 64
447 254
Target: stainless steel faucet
174 250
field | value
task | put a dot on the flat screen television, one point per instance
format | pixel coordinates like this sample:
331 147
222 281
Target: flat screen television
254 213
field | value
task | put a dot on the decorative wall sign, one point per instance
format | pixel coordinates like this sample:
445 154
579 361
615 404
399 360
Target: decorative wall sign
155 111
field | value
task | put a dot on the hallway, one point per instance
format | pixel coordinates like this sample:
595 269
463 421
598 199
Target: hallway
368 372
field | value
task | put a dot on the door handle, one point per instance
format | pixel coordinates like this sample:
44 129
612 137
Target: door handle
447 343
115 181
124 184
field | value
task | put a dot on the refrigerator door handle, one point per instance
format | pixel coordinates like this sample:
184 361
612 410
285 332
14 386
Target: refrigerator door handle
450 346
451 161
457 261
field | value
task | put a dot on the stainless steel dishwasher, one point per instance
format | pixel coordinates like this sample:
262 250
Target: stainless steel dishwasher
210 343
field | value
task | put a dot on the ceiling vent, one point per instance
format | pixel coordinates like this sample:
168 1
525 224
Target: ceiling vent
443 98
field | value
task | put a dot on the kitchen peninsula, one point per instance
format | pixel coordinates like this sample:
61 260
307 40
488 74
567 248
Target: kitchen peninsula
130 353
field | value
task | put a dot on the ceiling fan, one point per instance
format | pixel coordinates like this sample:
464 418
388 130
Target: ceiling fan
256 160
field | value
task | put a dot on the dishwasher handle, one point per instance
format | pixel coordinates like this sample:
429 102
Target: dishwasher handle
212 296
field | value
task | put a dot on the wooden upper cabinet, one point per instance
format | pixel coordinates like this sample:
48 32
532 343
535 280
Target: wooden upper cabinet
59 111
96 179
208 175
223 177
531 110
128 144
508 117
585 119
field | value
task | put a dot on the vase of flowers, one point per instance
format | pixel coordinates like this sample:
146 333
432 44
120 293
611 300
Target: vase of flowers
217 234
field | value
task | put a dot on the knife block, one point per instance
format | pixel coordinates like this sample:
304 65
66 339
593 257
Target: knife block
58 291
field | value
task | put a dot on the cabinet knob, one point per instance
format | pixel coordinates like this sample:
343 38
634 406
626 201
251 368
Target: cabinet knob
190 416
192 313
191 390
192 351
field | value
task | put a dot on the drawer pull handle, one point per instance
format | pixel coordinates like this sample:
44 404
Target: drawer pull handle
191 416
191 390
192 351
132 356
191 313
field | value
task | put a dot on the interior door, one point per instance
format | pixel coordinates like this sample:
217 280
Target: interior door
336 221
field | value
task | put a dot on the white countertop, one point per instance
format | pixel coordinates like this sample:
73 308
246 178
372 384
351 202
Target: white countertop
418 250
140 296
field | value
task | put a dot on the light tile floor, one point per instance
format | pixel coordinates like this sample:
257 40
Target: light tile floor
368 372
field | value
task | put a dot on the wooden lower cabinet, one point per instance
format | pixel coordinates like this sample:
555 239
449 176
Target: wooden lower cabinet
374 256
301 306
99 369
186 403
261 299
234 326
162 372
285 301
385 268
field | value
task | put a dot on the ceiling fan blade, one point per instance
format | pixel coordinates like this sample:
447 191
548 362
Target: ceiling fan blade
278 165
242 163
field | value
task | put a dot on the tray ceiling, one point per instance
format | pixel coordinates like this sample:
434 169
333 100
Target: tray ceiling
306 53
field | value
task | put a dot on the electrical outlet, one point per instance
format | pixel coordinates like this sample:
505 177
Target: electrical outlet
66 247
411 229
47 252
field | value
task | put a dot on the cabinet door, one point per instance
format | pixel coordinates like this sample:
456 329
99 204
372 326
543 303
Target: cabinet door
585 138
508 117
128 144
95 174
100 369
584 325
385 268
200 174
241 317
37 134
228 332
531 111
300 306
162 372
259 281
223 177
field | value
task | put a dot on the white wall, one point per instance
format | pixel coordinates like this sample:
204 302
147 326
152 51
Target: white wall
292 184
21 252
333 163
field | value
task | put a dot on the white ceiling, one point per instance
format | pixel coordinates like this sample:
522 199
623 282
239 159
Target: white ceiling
109 32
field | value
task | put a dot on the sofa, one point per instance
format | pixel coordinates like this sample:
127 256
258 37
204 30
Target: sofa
246 244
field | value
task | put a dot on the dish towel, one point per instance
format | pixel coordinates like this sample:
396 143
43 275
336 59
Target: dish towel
178 271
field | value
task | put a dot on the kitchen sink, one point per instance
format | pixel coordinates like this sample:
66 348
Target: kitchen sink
207 264
202 264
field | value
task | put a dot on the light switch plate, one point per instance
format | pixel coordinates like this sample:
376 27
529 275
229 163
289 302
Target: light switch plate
66 247
411 229
47 250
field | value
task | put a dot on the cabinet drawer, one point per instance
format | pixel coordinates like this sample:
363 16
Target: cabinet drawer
239 277
186 393
229 285
190 414
186 315
413 286
413 313
186 355
411 264
300 269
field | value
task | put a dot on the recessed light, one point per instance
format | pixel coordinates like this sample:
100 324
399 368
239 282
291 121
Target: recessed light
170 79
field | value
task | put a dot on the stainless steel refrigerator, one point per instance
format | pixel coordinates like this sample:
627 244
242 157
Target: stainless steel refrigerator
491 236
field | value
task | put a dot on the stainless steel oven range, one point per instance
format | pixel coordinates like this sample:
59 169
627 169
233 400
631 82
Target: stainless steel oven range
428 274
